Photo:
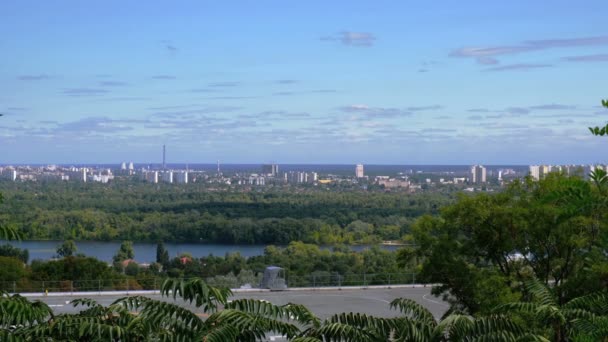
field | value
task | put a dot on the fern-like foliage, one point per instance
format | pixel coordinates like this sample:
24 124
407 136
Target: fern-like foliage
582 318
196 291
16 310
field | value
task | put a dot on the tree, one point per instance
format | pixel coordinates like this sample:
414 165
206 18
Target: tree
582 318
162 255
8 232
68 248
11 269
10 251
124 252
416 324
480 245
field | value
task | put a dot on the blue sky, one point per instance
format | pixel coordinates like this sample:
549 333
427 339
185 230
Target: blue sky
391 82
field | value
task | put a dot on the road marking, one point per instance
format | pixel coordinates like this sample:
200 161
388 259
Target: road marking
55 305
434 301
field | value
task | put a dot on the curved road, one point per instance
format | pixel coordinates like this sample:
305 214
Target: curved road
323 302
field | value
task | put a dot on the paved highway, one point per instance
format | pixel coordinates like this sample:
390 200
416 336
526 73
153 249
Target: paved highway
324 303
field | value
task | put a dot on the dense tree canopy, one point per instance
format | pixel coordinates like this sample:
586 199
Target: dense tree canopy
129 210
479 247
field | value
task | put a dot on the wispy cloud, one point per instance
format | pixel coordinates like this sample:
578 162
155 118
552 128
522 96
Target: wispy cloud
552 106
169 46
112 84
204 90
287 81
352 38
519 67
587 58
164 77
84 91
33 77
424 108
517 110
375 112
276 115
485 54
180 111
487 60
94 124
284 93
224 84
478 110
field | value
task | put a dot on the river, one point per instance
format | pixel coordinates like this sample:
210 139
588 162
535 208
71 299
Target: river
146 252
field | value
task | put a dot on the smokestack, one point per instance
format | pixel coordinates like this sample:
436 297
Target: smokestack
164 154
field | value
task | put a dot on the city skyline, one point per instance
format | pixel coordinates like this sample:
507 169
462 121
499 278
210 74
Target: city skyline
311 83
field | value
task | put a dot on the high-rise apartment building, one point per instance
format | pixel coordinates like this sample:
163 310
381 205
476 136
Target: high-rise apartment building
181 177
535 172
478 174
270 169
359 171
167 176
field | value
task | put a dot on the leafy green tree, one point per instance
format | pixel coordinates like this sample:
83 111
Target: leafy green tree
583 318
556 227
8 232
67 248
162 255
416 324
11 251
11 269
124 252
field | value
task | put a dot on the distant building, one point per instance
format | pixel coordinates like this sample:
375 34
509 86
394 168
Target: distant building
535 172
478 174
545 170
181 177
123 166
150 176
298 177
270 169
359 171
167 177
256 180
79 175
131 166
392 183
10 174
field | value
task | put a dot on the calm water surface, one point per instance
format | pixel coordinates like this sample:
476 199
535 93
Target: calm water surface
145 252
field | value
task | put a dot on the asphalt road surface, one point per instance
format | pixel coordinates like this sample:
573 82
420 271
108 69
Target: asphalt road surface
324 303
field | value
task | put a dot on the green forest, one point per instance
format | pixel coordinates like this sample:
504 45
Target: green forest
138 211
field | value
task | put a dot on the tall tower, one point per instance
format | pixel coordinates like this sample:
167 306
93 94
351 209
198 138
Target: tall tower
164 155
218 168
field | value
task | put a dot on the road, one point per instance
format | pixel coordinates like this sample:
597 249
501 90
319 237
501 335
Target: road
324 303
